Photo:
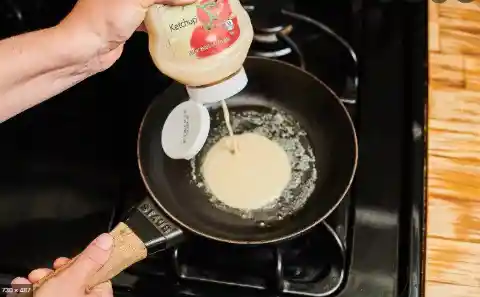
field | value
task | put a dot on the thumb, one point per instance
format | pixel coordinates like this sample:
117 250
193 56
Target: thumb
92 258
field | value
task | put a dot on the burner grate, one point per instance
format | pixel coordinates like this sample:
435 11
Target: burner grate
295 267
314 47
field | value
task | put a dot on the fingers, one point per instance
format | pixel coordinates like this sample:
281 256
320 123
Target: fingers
38 274
20 281
60 262
92 258
87 263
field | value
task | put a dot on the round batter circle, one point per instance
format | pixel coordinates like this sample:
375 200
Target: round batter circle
253 177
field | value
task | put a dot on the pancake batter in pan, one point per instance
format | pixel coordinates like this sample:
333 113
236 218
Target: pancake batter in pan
284 130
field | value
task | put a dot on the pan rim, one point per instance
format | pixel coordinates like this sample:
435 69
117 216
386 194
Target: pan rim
265 241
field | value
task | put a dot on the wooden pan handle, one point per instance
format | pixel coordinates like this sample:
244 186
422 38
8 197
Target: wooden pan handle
128 249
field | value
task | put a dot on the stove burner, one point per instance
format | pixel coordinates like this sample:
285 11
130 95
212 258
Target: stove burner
293 43
325 29
280 35
296 267
302 265
267 16
278 45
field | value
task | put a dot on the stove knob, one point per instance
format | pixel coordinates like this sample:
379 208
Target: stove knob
417 131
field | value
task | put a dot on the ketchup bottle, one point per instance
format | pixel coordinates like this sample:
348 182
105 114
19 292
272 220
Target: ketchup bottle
202 45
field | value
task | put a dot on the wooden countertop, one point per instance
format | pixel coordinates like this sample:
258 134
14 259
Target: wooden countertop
453 217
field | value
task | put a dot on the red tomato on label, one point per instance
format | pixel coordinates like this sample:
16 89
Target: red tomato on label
206 42
213 11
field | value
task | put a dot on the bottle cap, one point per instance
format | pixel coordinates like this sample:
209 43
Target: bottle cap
221 91
185 130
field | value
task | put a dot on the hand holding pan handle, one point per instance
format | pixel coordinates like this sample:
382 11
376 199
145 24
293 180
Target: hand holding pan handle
146 228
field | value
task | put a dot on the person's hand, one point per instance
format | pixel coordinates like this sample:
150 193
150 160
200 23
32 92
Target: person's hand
73 281
105 25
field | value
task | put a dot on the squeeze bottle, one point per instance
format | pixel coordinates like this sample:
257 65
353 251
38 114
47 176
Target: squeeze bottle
202 45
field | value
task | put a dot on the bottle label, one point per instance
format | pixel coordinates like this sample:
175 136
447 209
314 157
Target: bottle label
201 30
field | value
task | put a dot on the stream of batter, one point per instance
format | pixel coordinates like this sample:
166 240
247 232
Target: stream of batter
232 143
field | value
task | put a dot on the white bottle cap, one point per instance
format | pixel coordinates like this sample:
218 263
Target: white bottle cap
185 130
221 91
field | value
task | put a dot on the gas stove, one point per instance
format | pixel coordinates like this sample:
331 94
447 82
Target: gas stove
72 164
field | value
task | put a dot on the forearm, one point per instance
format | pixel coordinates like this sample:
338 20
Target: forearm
37 66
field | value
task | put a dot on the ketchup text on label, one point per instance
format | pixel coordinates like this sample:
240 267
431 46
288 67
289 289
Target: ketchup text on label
183 24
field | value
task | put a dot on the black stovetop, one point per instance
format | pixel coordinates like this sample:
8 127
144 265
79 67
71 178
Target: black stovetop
69 165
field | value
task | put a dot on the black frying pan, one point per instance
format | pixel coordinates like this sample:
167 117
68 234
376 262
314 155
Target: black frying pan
177 204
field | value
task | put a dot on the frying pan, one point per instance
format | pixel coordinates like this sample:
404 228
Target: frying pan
175 206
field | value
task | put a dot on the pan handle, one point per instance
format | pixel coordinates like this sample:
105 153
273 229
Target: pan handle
146 230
